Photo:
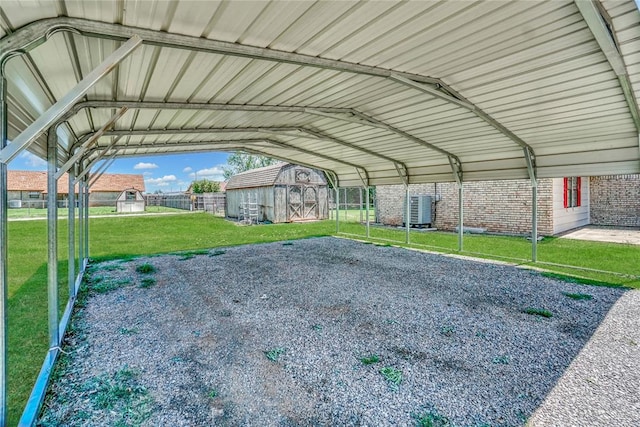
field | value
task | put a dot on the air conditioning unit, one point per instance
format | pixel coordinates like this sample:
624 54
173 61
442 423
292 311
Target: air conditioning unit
14 204
420 210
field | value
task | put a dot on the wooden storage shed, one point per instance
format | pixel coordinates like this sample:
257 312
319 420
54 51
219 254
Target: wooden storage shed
130 200
284 192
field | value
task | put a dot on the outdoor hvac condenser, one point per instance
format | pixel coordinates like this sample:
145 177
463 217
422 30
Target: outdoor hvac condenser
420 210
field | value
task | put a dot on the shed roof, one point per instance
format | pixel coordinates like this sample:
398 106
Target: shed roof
259 177
37 182
380 92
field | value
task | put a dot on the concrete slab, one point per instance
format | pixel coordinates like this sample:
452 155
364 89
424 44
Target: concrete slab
600 387
629 236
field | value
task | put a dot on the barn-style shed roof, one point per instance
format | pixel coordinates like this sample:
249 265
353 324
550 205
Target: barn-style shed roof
259 177
372 92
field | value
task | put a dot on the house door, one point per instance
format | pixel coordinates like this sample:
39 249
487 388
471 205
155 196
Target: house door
303 202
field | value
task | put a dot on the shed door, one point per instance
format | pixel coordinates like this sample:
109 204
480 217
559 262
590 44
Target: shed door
303 202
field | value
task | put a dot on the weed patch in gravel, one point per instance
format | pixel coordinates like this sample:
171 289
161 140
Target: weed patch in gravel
449 334
145 268
538 312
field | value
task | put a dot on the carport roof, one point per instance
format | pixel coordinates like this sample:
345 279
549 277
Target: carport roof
380 92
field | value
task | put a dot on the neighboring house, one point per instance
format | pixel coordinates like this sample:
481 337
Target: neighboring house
30 188
279 193
505 206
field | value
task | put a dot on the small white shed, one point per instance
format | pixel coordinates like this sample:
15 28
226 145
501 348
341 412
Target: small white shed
130 200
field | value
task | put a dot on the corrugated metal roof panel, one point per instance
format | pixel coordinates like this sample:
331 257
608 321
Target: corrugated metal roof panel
535 67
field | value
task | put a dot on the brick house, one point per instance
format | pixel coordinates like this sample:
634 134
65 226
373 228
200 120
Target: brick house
505 206
30 188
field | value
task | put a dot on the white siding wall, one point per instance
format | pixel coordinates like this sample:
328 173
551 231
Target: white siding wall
567 218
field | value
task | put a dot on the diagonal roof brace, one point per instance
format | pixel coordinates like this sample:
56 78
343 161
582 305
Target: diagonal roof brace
64 104
403 173
103 168
89 142
456 168
96 160
531 166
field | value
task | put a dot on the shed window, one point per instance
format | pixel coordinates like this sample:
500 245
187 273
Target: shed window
131 195
572 195
34 195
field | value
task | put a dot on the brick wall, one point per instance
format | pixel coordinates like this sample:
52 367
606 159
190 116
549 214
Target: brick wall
498 206
615 200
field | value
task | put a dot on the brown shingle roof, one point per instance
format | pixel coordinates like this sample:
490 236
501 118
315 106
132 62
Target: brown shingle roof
260 177
37 181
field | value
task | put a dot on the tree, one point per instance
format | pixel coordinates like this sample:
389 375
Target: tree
240 162
205 186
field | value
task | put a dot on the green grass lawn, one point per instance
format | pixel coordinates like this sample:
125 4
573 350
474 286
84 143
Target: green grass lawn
125 237
96 210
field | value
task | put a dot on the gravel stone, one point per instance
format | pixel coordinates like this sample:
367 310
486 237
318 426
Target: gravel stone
456 328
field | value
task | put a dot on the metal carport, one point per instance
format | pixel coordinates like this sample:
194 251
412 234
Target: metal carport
371 93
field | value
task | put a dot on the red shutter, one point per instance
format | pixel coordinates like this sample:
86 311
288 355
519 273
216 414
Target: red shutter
579 185
566 190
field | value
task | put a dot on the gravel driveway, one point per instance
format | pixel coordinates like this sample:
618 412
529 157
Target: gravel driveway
323 331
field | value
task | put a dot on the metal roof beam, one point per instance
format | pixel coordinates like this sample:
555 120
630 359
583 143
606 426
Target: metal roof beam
280 130
444 92
409 136
322 136
57 110
353 118
35 33
241 143
345 114
602 32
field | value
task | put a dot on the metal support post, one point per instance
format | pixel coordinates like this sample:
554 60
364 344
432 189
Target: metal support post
367 211
360 204
532 170
80 225
460 217
337 209
407 217
534 221
52 227
86 219
4 282
71 205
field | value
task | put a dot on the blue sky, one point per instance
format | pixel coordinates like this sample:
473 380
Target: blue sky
165 173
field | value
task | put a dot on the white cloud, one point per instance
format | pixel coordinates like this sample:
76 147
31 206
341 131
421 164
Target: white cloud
147 173
161 182
187 169
215 173
143 165
32 160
